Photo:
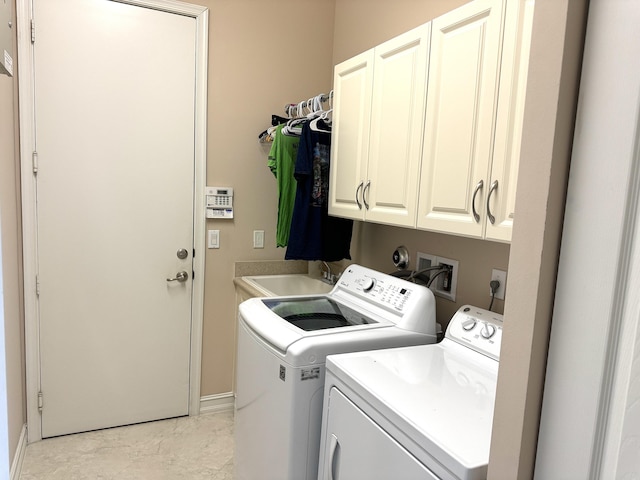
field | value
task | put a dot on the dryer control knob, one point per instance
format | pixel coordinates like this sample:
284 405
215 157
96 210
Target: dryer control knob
368 284
469 324
488 330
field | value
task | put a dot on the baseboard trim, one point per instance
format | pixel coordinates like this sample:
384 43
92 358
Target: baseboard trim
220 402
16 465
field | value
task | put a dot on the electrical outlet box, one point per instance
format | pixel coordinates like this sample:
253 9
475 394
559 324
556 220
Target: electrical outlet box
445 284
424 260
501 276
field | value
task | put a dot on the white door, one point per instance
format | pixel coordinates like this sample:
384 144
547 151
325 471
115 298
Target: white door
114 90
397 115
459 122
590 419
514 66
352 86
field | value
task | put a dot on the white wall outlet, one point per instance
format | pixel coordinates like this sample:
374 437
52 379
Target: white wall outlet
213 238
501 276
258 239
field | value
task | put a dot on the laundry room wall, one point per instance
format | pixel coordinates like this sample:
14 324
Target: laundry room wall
362 24
262 55
11 270
266 54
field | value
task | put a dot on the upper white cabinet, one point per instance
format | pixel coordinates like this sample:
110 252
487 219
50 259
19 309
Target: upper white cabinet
379 99
352 91
460 148
460 115
477 83
509 119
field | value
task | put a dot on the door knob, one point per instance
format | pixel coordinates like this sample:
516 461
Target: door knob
180 277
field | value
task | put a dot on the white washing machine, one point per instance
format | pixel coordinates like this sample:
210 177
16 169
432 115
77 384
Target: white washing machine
422 412
282 346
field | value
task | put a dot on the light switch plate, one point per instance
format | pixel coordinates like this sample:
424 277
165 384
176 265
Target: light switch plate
258 239
213 239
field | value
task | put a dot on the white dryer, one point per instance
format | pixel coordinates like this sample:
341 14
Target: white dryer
282 346
414 413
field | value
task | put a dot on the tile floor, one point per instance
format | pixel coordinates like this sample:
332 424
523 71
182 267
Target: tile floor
187 448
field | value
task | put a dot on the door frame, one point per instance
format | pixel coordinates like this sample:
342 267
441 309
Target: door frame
595 330
24 12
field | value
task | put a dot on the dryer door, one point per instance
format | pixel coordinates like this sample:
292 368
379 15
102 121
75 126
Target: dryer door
356 447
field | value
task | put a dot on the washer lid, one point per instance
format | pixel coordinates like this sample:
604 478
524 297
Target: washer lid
282 321
440 396
319 313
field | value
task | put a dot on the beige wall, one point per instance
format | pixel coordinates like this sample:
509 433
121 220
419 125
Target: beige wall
255 68
262 55
376 243
11 259
362 24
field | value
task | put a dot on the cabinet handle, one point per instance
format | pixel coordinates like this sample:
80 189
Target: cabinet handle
364 194
476 216
333 458
357 200
494 186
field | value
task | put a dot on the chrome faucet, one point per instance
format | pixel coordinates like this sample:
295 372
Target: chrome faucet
327 276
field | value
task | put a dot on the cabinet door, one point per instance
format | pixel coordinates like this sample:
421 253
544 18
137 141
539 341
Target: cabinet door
397 119
356 448
460 115
352 88
510 116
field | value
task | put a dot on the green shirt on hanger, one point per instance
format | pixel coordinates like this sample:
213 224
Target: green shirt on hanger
282 162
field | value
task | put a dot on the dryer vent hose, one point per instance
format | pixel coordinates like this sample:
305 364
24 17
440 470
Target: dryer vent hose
420 278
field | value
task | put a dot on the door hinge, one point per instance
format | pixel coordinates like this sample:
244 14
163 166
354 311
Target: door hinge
40 402
34 161
33 31
37 285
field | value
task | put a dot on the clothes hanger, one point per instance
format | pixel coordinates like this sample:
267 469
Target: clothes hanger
293 128
315 123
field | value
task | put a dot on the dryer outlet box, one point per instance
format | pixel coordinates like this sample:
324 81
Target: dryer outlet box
444 285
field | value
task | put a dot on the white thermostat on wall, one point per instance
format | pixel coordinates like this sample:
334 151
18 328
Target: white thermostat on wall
219 202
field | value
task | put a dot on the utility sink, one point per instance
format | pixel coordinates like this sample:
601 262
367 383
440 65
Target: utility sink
291 284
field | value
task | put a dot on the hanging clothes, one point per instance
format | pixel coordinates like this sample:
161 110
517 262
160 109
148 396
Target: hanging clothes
314 235
282 158
267 136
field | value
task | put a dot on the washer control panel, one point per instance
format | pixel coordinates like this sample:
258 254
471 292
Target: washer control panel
380 288
409 305
478 329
